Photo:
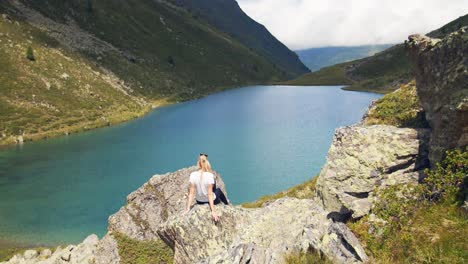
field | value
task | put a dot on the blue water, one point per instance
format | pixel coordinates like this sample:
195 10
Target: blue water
262 139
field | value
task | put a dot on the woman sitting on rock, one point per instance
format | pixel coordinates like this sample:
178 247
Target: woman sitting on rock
204 182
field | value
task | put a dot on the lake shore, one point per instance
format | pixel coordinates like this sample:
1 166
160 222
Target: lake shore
113 120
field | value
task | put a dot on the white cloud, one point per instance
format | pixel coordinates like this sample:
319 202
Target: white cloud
314 23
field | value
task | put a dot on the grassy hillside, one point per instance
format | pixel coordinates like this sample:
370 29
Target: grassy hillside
98 62
382 73
54 91
317 58
227 16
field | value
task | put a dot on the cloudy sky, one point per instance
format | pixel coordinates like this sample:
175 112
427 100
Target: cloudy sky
315 23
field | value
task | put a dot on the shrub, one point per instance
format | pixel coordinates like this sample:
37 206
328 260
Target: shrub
448 179
30 54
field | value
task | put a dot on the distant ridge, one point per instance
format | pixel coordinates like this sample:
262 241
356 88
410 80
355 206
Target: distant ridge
382 73
317 58
227 16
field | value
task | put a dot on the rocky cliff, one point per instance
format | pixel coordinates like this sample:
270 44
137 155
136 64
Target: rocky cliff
441 69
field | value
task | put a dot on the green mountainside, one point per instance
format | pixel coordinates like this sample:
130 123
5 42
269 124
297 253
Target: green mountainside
99 62
227 16
382 73
317 58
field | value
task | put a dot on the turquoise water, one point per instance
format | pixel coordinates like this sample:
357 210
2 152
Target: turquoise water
262 139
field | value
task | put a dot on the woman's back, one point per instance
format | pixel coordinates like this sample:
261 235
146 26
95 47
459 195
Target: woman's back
201 182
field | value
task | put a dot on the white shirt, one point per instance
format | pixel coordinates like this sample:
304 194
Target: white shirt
202 186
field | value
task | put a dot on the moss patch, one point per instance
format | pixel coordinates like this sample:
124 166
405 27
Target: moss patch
311 257
400 108
133 251
302 191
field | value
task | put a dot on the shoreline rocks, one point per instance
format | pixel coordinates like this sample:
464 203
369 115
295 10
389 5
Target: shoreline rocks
79 254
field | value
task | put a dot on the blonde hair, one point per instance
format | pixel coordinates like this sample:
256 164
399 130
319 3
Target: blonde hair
203 164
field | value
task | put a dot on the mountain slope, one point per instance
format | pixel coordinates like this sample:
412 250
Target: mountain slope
144 53
317 58
384 72
227 16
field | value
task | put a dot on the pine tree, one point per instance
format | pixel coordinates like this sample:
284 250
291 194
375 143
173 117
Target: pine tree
30 54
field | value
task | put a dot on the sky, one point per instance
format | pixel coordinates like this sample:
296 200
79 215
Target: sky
301 24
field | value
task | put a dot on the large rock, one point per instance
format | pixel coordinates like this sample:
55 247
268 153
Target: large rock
153 203
441 68
363 158
147 208
263 235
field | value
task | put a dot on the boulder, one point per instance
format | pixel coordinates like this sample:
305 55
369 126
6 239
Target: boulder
147 208
363 158
263 235
441 69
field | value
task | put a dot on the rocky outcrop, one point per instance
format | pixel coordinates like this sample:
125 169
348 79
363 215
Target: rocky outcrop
263 235
79 254
441 69
148 207
363 158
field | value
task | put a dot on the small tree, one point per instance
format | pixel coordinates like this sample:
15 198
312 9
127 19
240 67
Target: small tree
30 54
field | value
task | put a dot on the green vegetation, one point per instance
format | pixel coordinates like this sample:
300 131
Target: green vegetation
424 223
379 73
400 108
333 75
60 93
149 32
311 257
7 252
383 72
159 55
302 191
30 54
133 251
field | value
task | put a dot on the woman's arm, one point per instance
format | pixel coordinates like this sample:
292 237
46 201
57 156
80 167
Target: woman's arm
210 200
190 197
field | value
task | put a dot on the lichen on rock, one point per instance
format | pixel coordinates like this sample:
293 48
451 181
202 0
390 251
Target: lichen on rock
363 158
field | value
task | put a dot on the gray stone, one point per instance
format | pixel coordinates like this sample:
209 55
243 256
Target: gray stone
363 158
263 235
